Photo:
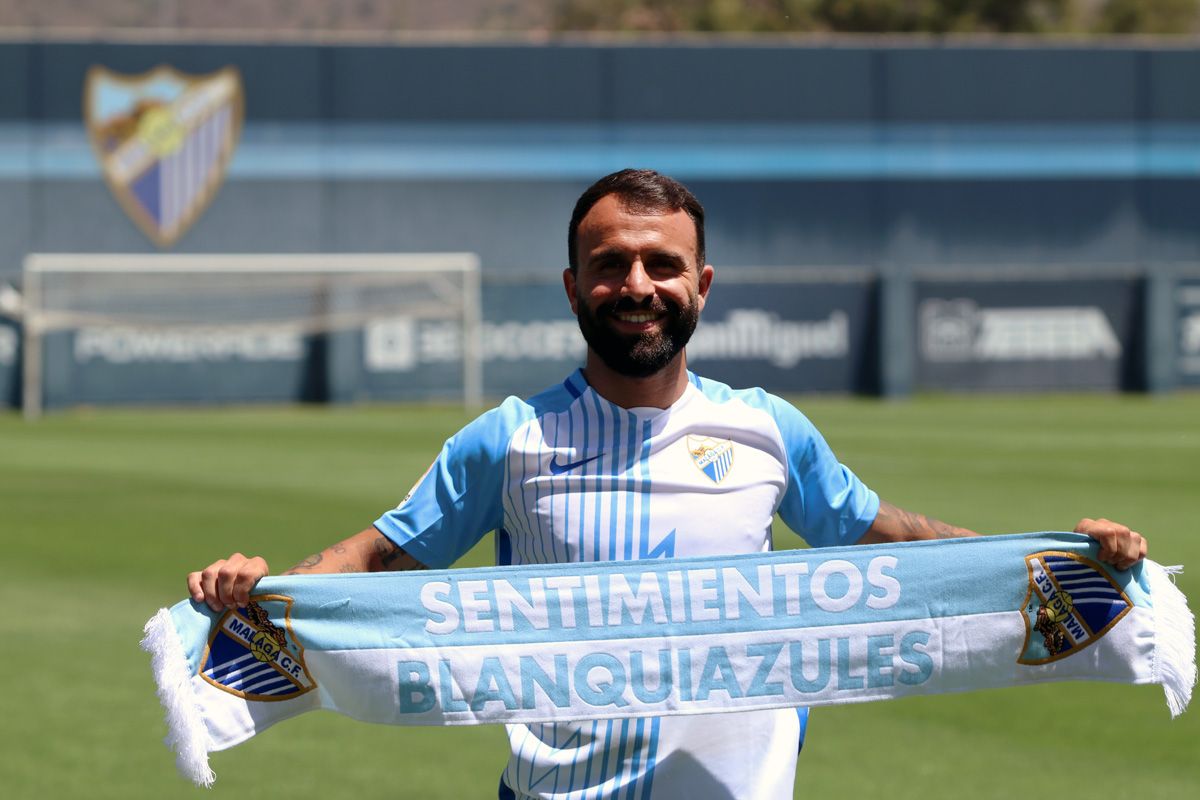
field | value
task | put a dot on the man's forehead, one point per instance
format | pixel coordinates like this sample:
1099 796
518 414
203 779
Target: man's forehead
613 222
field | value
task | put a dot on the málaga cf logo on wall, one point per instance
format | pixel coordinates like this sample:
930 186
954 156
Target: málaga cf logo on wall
164 140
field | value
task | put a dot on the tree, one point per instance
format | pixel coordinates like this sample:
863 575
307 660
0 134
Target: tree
878 16
1148 16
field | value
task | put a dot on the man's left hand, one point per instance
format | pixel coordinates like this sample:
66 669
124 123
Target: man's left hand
1119 545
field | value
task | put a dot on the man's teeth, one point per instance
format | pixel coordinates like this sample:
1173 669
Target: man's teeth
637 317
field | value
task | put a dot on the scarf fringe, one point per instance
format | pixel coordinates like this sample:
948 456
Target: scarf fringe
186 733
1174 637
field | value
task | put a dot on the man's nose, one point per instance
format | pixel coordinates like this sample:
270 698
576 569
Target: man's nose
638 285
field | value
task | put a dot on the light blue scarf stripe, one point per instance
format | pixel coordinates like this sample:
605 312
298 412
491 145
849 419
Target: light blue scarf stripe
334 603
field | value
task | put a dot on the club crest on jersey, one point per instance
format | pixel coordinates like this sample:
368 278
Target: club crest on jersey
252 657
714 457
164 140
1072 602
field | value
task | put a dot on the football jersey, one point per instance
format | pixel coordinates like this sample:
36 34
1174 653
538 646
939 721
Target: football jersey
568 476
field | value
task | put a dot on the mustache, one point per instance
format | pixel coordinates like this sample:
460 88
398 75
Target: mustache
653 304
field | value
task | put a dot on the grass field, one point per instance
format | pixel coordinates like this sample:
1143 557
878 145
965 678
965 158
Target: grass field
102 513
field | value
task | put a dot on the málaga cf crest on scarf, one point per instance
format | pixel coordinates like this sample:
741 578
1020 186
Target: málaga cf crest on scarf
251 657
557 642
164 140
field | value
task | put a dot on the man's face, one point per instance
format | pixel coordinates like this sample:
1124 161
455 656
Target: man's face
639 291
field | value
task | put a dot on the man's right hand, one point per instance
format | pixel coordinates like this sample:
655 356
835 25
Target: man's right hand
226 583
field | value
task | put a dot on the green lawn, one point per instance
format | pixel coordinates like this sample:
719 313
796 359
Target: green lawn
103 512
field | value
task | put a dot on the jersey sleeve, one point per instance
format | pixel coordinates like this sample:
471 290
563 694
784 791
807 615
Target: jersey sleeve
824 502
458 500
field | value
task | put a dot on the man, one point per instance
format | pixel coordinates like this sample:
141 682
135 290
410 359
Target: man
633 457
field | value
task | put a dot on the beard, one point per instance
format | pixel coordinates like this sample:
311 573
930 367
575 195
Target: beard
643 354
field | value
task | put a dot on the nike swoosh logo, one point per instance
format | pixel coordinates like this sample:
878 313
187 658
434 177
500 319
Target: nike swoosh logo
558 469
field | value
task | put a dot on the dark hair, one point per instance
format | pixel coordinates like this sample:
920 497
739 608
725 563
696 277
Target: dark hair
642 191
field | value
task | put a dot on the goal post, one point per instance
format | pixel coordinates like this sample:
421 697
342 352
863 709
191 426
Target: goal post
199 328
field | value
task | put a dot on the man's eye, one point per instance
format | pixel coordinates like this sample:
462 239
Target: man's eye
665 267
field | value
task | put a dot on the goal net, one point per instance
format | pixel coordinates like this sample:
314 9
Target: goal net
144 329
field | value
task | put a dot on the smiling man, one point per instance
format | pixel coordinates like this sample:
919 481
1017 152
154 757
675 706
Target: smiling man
633 457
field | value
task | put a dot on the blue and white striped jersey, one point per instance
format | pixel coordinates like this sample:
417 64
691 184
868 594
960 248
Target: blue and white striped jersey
568 476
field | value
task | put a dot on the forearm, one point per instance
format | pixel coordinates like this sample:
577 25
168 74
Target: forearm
366 551
1119 545
894 524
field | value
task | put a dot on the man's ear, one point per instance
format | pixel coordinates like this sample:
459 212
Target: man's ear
569 286
706 278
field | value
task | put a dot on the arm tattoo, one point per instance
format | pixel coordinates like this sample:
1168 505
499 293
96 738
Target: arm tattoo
911 526
391 557
384 555
306 564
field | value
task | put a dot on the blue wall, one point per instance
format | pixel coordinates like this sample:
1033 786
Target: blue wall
965 160
834 155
